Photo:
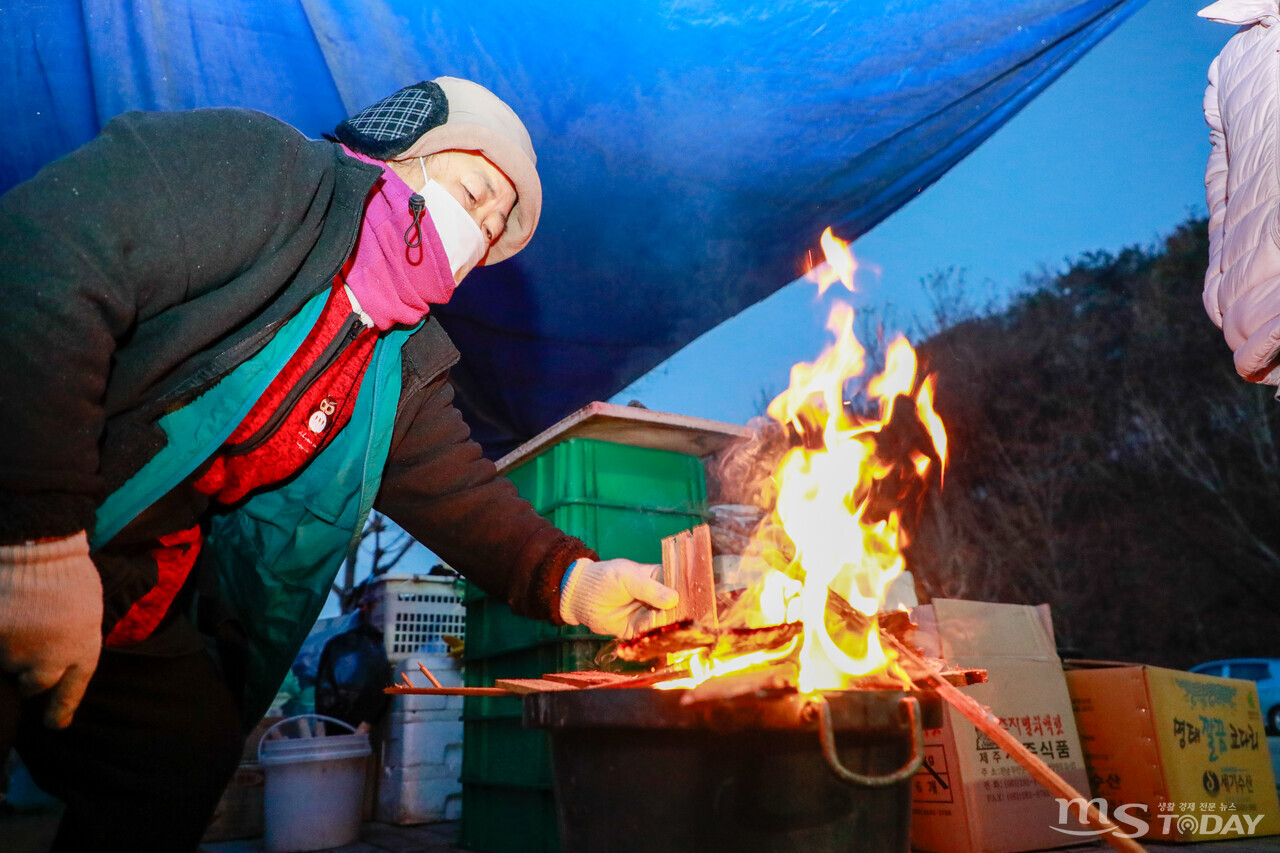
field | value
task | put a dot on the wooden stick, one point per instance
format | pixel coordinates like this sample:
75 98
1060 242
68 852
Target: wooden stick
435 682
398 690
404 676
989 724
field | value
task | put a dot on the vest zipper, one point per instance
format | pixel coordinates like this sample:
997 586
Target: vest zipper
350 331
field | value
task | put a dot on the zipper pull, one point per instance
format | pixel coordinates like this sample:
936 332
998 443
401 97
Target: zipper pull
417 204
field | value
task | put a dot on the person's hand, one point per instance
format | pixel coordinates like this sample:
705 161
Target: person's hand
615 597
50 621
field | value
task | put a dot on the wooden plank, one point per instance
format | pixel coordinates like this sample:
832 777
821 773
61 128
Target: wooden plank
699 579
530 685
687 568
679 571
586 678
684 545
644 680
670 577
635 427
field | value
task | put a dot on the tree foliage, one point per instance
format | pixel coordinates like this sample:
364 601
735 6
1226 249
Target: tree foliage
1107 459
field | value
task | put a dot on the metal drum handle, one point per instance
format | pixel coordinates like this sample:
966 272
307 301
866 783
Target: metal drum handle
828 738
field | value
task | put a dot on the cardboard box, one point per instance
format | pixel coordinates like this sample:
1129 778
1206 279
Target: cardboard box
1183 755
970 796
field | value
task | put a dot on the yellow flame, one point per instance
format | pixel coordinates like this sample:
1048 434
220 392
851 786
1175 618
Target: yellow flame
703 666
841 265
779 598
921 463
823 491
931 421
824 378
899 374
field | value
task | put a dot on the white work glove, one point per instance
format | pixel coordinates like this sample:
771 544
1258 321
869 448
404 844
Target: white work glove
615 597
51 621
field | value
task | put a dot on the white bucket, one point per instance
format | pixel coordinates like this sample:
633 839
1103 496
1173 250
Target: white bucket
314 787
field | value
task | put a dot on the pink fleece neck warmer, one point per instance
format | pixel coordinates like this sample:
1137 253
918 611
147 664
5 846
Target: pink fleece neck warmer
393 283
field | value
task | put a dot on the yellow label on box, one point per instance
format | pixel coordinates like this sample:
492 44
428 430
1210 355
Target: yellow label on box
1213 748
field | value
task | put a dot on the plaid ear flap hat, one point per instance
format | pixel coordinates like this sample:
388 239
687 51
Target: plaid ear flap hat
450 114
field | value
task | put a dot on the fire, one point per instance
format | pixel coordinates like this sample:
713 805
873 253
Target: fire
823 535
841 264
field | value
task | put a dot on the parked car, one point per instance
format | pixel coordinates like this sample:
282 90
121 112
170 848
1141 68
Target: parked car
1265 671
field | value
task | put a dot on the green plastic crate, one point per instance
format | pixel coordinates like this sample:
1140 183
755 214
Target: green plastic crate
565 655
504 753
492 629
612 531
562 654
621 501
585 470
499 819
497 749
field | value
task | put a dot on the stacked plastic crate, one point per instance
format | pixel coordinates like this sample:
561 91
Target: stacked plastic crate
420 739
619 499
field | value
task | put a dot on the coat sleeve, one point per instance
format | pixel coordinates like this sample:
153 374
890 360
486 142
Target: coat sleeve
73 255
439 487
1215 194
123 259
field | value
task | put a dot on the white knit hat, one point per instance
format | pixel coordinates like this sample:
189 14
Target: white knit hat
474 119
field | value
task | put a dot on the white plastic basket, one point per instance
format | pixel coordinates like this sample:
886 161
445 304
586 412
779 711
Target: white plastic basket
415 613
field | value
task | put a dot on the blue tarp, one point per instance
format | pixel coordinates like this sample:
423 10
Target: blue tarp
690 151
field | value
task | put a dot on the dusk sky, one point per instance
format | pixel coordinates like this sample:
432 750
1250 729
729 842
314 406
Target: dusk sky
1112 154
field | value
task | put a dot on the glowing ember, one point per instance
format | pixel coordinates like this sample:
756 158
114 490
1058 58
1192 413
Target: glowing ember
821 535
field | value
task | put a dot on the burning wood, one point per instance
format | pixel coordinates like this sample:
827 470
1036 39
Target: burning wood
668 639
687 636
809 623
896 628
733 642
778 677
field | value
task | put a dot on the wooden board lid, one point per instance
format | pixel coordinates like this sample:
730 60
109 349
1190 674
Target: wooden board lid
635 427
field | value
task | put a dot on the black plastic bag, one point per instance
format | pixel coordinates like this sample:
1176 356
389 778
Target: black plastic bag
352 673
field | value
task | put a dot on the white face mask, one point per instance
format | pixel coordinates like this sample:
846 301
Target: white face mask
462 238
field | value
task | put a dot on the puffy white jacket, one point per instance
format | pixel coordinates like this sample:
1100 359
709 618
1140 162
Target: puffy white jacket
1242 187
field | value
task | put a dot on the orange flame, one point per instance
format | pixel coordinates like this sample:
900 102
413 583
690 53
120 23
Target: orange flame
824 489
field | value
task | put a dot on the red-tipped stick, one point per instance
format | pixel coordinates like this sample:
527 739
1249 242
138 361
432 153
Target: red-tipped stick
398 690
435 682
